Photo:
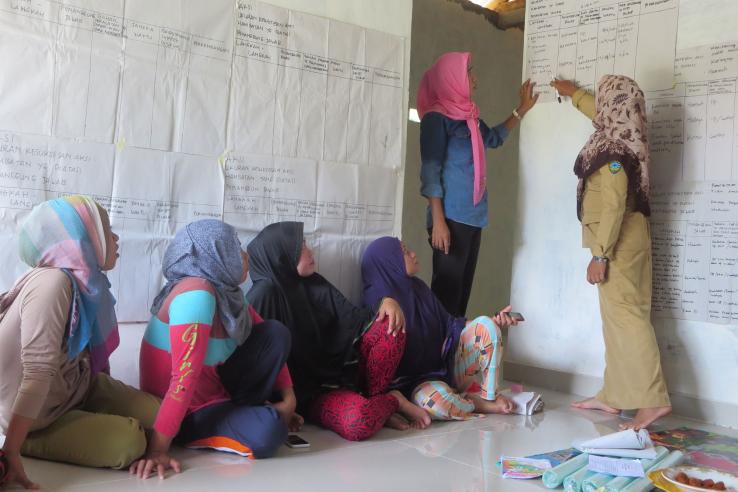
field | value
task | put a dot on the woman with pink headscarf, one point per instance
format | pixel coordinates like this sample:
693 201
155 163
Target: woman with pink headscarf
613 207
453 141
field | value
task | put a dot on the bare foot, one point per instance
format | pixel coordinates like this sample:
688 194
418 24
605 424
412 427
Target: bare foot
595 404
419 418
645 417
500 404
397 421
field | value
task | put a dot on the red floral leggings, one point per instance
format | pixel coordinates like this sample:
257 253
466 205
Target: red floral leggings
354 416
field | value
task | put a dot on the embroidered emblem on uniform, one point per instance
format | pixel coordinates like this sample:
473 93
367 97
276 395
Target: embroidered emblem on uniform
615 167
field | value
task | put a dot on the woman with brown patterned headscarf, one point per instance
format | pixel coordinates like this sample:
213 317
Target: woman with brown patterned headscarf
612 205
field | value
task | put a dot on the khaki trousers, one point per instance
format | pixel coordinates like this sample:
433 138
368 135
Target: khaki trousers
107 431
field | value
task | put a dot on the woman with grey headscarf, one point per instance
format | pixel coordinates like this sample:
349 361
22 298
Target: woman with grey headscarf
210 356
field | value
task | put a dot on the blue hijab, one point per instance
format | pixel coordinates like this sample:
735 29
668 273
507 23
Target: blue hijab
432 333
209 249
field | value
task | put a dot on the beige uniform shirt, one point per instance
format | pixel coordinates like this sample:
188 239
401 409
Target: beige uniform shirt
608 218
37 378
609 222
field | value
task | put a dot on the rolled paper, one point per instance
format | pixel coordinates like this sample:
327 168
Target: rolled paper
573 483
617 484
644 484
627 439
554 477
596 481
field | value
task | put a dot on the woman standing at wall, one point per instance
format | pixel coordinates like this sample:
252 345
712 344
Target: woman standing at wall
613 206
453 140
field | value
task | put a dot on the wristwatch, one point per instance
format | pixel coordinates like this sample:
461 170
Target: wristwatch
516 114
601 259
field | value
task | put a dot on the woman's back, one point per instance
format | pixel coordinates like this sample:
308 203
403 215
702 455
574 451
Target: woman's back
43 381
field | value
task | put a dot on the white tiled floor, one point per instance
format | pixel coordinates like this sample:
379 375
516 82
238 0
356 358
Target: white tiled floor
448 456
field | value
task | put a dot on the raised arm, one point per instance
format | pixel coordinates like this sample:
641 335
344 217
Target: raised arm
527 101
581 98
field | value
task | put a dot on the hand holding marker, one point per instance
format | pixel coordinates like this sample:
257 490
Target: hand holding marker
558 96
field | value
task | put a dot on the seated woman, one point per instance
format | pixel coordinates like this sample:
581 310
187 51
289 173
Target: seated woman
210 356
451 365
337 347
57 330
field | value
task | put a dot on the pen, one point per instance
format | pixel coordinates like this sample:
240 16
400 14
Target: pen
558 96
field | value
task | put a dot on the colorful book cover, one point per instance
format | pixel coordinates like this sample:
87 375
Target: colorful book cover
701 448
523 468
556 457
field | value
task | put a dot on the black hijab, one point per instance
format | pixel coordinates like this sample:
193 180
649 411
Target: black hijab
324 324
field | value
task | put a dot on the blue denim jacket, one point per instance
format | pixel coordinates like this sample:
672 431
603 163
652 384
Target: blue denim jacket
447 169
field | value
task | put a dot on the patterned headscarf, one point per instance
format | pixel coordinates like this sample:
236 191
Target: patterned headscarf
210 249
68 233
621 135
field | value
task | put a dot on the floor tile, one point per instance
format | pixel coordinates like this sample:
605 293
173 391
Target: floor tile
448 456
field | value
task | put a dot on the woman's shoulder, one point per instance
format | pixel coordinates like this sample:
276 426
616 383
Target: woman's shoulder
45 287
611 149
262 289
53 280
192 285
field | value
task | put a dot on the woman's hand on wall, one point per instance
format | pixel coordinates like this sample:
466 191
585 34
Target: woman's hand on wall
564 87
527 99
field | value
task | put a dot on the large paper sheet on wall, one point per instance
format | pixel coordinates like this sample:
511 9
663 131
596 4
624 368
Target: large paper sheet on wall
694 223
583 40
694 147
175 110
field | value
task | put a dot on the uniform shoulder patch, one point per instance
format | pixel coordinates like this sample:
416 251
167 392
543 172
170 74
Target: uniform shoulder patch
614 167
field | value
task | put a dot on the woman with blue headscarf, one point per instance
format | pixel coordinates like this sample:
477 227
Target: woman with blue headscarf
57 330
210 356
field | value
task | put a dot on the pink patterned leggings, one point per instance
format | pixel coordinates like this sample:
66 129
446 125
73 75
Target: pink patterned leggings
354 416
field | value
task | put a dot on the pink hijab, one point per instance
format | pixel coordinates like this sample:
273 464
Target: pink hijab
444 89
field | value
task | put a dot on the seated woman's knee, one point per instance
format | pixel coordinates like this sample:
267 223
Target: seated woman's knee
278 334
357 425
488 323
125 441
268 434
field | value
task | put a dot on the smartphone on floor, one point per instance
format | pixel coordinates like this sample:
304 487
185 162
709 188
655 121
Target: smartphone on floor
297 442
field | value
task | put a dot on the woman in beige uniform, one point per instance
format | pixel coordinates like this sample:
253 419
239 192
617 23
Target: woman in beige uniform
612 204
